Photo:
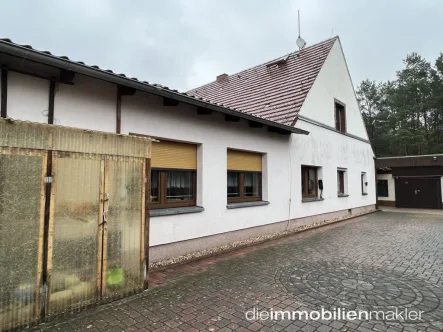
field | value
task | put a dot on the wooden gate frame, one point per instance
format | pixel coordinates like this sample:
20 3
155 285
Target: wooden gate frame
102 233
27 138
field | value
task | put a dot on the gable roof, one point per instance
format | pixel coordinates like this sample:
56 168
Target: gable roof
274 90
27 54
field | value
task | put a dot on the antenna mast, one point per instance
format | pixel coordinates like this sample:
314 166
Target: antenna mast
300 42
299 23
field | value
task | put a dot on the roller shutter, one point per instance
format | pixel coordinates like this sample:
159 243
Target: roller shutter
168 154
244 161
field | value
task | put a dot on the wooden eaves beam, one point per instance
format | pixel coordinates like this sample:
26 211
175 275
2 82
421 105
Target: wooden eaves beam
170 102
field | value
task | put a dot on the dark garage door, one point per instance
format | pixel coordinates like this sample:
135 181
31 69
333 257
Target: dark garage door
424 193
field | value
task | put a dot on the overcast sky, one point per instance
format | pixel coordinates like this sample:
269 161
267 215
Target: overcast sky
186 43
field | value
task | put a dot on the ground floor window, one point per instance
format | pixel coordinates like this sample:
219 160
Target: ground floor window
340 182
309 180
244 176
244 186
364 183
173 188
382 188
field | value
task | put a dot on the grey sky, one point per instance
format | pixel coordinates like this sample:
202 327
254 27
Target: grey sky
186 43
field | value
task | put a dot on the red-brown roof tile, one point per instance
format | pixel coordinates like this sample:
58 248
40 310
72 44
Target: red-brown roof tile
274 92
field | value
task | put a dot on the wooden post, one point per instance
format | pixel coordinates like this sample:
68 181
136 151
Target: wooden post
4 93
119 110
100 230
48 232
41 237
142 223
147 221
104 268
51 102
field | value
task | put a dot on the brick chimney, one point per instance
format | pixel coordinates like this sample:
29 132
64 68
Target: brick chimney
222 77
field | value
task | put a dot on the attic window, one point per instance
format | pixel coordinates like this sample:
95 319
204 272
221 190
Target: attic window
340 116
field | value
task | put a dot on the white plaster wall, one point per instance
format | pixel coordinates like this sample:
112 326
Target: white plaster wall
331 150
88 104
91 104
391 186
28 97
145 114
334 81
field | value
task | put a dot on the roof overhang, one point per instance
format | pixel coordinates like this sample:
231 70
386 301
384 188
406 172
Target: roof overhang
410 161
63 63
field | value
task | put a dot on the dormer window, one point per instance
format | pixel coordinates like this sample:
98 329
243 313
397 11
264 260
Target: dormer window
340 116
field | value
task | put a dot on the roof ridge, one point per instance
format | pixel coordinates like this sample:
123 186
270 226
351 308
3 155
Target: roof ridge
270 61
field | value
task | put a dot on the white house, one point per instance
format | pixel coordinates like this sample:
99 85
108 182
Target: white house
268 149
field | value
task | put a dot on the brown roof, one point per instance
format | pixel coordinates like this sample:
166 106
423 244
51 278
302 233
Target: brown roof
274 90
410 161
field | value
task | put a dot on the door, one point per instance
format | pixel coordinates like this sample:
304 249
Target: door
96 229
424 193
123 229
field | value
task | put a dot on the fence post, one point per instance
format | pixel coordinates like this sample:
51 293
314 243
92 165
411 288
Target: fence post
147 221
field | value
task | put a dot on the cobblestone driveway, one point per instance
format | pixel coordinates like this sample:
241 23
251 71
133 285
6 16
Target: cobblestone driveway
369 263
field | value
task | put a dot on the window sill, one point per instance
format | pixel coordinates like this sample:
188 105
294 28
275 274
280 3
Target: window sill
313 199
174 211
364 194
342 195
246 204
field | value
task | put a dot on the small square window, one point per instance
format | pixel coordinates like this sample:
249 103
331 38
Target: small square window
364 183
342 181
382 188
340 117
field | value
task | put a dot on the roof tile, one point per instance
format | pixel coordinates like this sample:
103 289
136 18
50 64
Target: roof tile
272 91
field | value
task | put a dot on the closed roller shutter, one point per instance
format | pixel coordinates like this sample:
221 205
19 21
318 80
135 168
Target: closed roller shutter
167 154
244 161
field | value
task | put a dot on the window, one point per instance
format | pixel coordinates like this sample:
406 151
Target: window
309 181
340 117
244 176
341 181
172 188
173 175
244 186
364 183
382 188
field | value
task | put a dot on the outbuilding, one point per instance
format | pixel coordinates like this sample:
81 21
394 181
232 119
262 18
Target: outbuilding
410 181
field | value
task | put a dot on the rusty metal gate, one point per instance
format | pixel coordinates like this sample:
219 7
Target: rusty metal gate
73 219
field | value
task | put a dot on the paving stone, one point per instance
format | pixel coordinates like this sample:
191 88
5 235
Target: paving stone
377 262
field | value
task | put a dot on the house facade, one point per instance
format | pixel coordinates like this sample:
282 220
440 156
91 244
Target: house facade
235 159
410 181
